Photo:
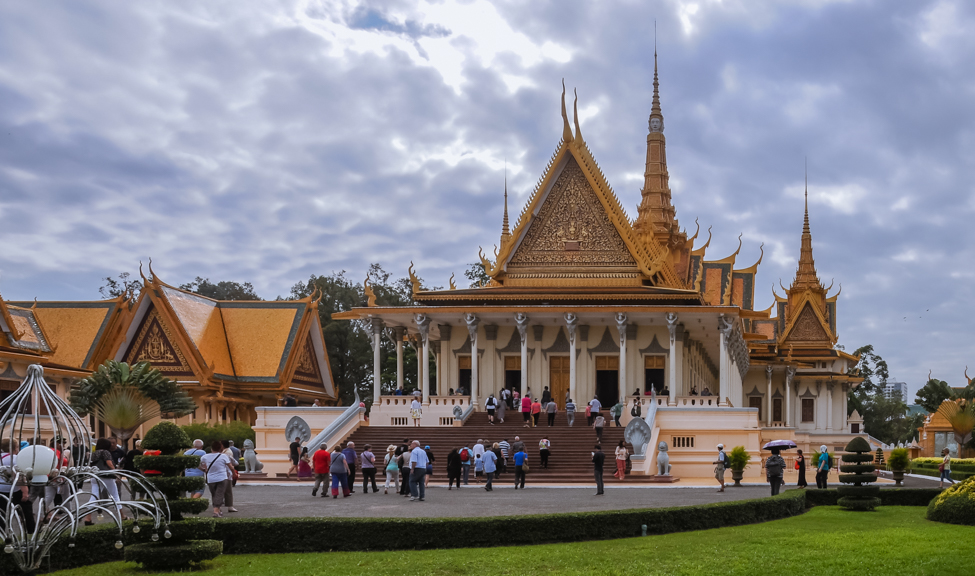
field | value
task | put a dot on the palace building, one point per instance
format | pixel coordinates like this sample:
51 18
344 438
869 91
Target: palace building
589 303
231 357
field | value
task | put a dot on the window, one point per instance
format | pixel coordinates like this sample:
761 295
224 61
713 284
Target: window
777 410
464 374
682 441
808 411
653 373
855 428
512 373
756 402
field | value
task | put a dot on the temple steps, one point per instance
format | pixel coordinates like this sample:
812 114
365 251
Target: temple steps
569 462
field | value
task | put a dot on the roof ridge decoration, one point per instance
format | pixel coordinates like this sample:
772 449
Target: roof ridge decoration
370 295
652 260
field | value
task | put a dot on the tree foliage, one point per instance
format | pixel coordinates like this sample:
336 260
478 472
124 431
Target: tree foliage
224 290
477 275
122 286
150 383
933 393
885 418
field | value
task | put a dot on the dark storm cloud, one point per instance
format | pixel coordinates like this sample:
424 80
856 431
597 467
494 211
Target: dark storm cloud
266 142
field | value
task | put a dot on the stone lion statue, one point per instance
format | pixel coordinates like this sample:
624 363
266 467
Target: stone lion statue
251 463
663 460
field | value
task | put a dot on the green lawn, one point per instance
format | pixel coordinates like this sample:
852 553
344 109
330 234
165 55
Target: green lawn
825 540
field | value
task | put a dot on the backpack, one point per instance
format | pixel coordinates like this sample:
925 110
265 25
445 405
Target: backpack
726 461
465 455
774 468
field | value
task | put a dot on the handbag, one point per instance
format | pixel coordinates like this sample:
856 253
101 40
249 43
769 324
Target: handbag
524 467
941 467
797 465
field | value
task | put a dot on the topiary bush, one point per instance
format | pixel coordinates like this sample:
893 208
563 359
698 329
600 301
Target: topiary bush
860 496
899 459
878 459
166 437
739 458
237 431
185 549
956 505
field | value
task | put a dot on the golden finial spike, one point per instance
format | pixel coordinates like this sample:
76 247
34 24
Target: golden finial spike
413 279
140 272
151 273
452 285
566 130
575 115
505 231
370 294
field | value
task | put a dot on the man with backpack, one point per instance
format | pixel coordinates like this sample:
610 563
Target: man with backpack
466 455
822 469
774 469
720 465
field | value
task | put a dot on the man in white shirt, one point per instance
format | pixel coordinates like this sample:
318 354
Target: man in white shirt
595 406
418 469
490 467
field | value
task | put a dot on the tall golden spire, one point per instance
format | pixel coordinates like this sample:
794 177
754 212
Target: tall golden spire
505 231
806 273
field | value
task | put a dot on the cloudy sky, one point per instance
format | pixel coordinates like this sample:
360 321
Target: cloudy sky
267 141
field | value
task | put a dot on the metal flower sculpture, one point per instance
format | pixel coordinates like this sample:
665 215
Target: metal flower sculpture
56 460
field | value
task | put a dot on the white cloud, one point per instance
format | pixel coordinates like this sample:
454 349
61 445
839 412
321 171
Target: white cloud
843 198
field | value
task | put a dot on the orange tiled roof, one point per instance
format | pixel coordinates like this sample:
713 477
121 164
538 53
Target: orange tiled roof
72 329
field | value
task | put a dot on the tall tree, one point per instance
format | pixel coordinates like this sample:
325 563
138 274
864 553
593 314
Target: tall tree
884 418
224 290
477 275
933 393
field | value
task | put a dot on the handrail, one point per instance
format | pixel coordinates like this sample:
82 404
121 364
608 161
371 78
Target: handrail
340 422
467 413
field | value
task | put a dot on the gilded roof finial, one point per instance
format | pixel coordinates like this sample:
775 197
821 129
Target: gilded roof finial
370 295
575 114
505 231
452 285
151 273
806 275
413 279
140 272
566 130
655 108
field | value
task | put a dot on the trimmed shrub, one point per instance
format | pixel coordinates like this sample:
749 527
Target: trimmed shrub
236 431
166 437
168 465
190 554
899 459
955 505
960 464
888 496
739 458
858 497
821 497
957 476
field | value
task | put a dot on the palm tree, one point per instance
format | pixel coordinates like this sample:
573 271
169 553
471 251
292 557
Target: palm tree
124 397
961 415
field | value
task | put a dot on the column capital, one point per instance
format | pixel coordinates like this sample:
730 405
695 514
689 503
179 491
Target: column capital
790 374
423 325
399 332
571 322
621 319
768 373
445 330
472 322
521 320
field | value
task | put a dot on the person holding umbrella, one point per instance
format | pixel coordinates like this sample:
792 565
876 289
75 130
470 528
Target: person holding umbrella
775 464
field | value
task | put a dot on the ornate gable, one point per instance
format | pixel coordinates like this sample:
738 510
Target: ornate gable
154 343
572 232
307 371
808 327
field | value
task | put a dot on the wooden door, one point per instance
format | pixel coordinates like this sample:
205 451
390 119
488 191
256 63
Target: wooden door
558 372
756 402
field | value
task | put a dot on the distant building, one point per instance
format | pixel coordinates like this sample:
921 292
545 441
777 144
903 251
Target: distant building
896 388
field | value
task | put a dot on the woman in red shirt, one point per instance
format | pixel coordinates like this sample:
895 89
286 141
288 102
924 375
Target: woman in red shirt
536 411
526 410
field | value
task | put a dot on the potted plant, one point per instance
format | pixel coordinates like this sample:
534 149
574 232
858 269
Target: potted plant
899 461
739 459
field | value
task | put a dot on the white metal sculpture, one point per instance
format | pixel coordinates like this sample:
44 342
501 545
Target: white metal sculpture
57 460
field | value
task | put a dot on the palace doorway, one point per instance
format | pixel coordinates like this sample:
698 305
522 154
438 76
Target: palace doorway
512 373
464 374
558 379
608 380
653 373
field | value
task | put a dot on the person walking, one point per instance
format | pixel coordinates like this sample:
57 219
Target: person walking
536 412
304 464
801 467
588 415
544 446
490 467
598 458
945 468
521 465
217 470
478 459
368 466
392 469
430 459
637 410
774 469
339 469
321 462
500 414
719 467
351 458
107 487
516 400
294 454
526 410
418 469
550 409
546 395
196 471
598 422
416 411
570 412
403 459
621 455
617 412
490 405
453 468
466 455
595 406
496 448
505 453
822 468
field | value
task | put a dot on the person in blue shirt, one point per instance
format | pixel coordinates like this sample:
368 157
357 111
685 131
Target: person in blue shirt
196 450
351 458
418 469
521 460
490 460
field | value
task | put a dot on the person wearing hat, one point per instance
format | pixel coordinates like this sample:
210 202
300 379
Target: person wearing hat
719 467
430 459
822 469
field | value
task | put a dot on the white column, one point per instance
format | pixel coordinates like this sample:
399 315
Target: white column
571 321
724 369
672 359
472 322
443 361
768 395
621 328
376 325
790 373
522 321
398 332
423 353
829 406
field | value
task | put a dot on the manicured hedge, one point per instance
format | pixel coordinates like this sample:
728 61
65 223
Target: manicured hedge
960 464
888 496
166 464
933 472
181 556
956 505
285 535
